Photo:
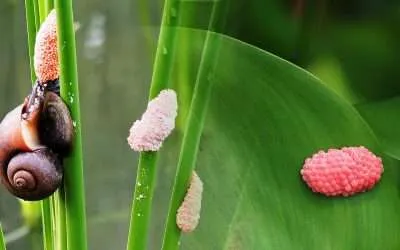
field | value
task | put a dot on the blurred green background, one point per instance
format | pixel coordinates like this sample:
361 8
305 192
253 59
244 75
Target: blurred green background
351 45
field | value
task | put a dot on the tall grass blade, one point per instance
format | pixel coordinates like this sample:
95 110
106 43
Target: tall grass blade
191 138
37 13
32 27
2 243
74 202
147 167
42 10
47 224
49 5
60 219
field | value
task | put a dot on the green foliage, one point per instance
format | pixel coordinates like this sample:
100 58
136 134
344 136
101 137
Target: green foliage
266 116
2 244
31 213
72 195
147 166
33 24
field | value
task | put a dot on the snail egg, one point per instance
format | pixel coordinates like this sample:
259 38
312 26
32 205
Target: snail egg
342 172
188 215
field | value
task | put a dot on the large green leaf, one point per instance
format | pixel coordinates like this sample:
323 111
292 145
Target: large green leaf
265 117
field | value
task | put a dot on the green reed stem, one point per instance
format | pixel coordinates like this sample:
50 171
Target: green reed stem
73 169
36 14
42 10
32 27
49 5
191 138
59 207
147 167
2 243
142 200
47 225
46 204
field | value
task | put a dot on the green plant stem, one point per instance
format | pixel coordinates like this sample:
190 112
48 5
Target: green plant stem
47 216
36 14
187 158
31 30
42 10
191 138
61 232
73 169
165 48
45 204
2 243
49 5
47 225
143 196
147 167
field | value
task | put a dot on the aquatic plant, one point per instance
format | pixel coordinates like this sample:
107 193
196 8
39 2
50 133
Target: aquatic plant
68 203
246 121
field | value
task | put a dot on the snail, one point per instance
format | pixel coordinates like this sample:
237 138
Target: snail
37 135
34 138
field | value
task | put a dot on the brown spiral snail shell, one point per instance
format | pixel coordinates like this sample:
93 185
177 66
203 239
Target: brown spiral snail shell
34 138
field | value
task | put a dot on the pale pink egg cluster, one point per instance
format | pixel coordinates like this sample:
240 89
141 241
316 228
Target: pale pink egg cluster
188 215
148 133
46 57
342 172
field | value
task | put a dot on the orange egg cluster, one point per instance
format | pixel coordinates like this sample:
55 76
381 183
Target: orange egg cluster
46 54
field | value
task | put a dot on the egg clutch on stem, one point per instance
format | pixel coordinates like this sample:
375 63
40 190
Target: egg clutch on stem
38 134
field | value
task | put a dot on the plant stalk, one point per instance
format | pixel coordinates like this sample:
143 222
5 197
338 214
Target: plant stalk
191 139
36 14
2 243
49 5
32 27
147 167
61 232
74 204
42 11
47 225
31 30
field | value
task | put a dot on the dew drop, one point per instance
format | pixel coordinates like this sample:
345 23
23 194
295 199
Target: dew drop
140 197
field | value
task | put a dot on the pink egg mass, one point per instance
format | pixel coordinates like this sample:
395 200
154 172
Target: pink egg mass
156 124
188 215
342 172
46 57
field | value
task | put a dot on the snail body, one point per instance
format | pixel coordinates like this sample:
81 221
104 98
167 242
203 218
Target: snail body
55 125
34 138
